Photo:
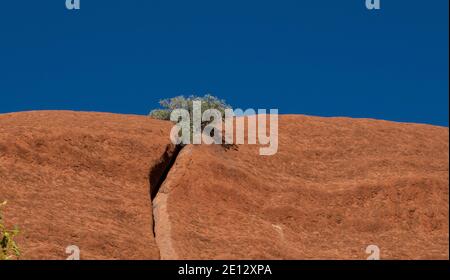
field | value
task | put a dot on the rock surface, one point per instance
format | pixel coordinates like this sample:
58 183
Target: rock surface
335 186
80 179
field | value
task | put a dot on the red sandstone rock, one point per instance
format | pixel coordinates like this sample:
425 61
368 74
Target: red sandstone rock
80 179
335 186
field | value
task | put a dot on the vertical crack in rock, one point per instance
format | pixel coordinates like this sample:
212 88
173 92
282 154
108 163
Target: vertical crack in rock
157 175
158 172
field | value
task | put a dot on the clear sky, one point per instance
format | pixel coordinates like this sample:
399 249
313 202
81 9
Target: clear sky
315 57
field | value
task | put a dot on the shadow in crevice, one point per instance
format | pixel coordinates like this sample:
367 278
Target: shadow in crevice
158 172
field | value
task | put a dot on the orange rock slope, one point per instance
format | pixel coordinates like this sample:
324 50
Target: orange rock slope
80 179
335 186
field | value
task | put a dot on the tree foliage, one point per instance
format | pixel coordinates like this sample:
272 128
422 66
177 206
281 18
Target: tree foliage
8 246
181 102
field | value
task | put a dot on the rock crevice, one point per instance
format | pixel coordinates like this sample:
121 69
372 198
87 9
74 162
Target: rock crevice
159 171
160 220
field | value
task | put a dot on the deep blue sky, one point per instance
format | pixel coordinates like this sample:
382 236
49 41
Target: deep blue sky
316 57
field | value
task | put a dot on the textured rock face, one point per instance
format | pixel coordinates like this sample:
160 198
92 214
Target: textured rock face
80 179
334 187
